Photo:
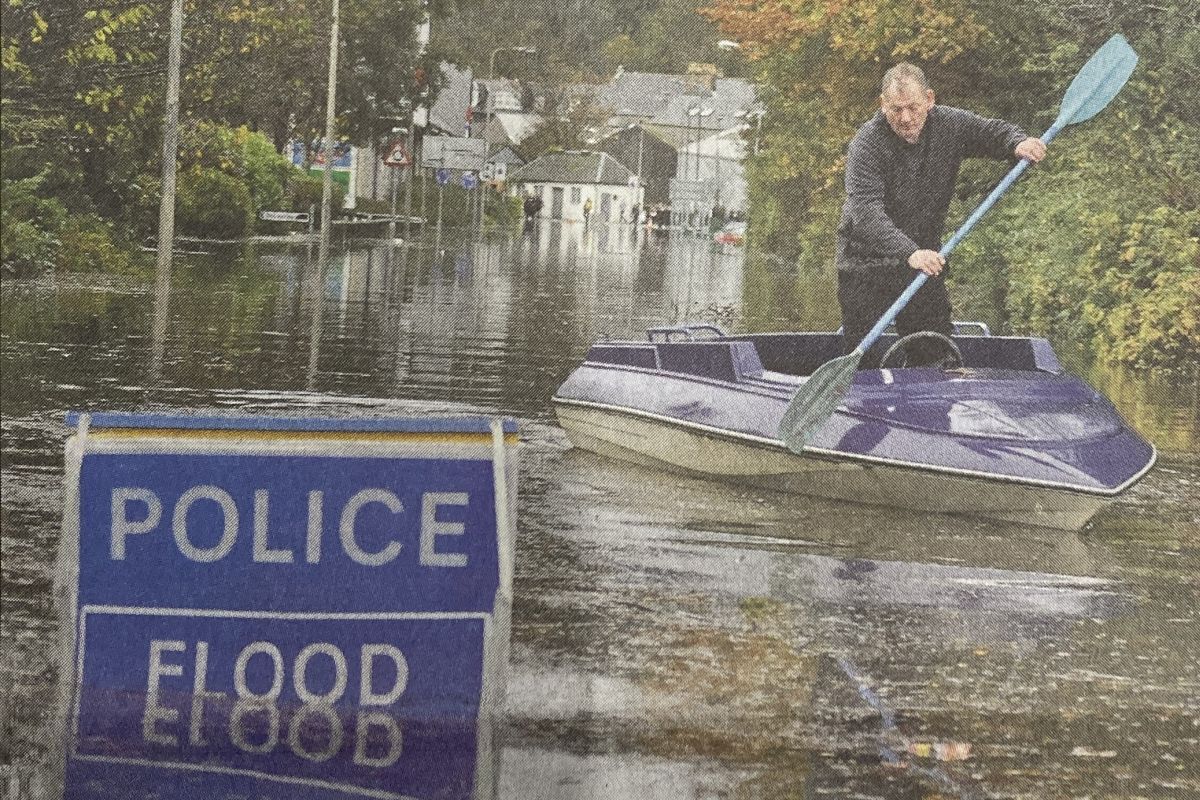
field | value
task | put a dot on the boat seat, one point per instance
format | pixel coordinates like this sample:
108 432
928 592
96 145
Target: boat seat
723 360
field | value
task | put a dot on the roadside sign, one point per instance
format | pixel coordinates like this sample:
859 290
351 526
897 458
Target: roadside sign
397 155
454 152
443 176
283 216
286 607
469 181
489 170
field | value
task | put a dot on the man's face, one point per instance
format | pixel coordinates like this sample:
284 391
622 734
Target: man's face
906 105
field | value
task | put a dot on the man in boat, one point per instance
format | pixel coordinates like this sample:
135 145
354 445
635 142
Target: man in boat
900 174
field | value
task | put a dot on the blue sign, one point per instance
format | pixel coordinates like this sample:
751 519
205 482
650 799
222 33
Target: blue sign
297 608
443 176
469 180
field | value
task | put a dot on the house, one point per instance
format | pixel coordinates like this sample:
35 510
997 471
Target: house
651 158
501 162
566 181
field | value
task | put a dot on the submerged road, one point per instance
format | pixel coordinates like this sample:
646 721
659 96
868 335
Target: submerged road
672 637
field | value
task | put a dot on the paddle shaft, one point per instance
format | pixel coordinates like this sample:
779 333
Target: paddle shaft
890 315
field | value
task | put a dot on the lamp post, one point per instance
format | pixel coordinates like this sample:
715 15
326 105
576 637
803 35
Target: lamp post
704 112
529 51
327 148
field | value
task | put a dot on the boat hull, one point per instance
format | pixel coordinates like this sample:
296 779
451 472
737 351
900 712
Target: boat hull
660 442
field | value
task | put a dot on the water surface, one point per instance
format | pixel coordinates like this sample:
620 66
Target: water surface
672 637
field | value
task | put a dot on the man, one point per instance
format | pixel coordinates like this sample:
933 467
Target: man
900 175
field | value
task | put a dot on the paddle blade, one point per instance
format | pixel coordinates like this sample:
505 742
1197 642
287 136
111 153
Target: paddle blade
1098 82
815 401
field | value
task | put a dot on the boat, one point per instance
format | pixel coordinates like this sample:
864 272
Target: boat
1005 433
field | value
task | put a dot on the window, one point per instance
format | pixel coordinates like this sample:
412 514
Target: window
576 193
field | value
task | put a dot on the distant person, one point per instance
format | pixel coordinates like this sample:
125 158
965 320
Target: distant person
900 174
531 207
587 210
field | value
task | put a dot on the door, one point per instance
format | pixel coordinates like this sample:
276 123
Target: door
556 202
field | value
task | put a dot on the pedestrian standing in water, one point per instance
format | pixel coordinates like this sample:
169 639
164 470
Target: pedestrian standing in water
587 210
900 174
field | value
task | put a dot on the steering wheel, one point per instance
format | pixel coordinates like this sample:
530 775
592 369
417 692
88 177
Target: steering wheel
952 360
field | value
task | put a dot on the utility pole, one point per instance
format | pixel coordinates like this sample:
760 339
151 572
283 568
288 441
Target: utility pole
166 207
419 116
327 147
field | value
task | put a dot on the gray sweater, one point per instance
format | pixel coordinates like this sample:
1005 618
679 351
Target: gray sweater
897 194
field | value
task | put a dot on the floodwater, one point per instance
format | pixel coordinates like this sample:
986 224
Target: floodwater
671 637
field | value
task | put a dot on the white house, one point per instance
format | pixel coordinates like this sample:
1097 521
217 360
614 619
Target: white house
566 181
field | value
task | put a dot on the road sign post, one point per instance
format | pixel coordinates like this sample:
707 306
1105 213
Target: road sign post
286 608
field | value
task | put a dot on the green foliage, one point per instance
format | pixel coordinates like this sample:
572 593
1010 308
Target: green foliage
305 191
40 233
1096 246
29 226
213 204
88 244
248 156
567 132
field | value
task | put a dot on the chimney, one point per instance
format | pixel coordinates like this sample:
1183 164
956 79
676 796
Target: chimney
703 75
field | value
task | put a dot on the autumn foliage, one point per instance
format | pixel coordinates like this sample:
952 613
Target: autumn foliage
1099 246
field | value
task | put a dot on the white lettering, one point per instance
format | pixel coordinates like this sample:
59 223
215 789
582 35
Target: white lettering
199 695
367 720
346 528
179 523
431 529
122 526
340 673
239 671
262 551
154 713
367 694
300 721
316 520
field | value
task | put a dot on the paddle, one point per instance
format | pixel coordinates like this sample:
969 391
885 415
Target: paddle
1093 88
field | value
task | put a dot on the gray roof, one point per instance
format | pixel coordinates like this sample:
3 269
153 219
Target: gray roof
574 166
729 96
644 94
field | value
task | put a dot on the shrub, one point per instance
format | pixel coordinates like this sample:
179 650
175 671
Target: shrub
305 191
88 244
213 204
29 226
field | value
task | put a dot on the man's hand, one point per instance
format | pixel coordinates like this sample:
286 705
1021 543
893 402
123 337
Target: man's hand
1032 149
928 261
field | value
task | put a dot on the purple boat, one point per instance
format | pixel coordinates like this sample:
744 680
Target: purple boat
1005 434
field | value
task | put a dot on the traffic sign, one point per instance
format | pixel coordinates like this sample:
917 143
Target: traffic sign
454 152
397 155
443 176
469 181
287 607
283 216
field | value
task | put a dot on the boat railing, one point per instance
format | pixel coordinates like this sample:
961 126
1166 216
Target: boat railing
959 327
687 332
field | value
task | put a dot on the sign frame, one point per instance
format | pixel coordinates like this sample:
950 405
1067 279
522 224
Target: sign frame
121 434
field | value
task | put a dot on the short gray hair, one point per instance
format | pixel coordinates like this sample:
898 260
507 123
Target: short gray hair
903 73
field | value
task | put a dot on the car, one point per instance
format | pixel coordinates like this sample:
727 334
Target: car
732 233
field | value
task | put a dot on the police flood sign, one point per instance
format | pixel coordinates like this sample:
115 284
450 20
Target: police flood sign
286 608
